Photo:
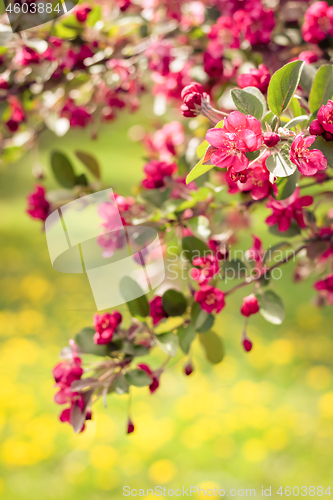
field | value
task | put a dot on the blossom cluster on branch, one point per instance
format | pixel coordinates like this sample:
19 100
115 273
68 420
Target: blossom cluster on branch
252 83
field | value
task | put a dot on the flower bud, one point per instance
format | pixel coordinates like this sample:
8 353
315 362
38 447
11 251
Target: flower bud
188 368
193 88
130 426
316 128
247 344
271 139
250 305
328 136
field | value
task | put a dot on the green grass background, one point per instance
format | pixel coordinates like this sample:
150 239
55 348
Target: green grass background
259 419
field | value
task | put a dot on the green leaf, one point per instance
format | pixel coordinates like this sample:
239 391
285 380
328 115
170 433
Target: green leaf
198 170
213 347
156 196
85 340
271 307
186 335
295 107
275 248
135 349
283 85
90 162
174 303
81 180
194 247
247 103
202 148
201 320
63 170
237 267
169 343
296 121
280 165
307 76
138 307
271 119
119 385
287 185
325 147
259 95
322 88
294 230
138 378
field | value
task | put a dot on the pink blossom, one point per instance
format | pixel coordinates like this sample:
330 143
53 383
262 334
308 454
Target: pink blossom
226 32
325 288
159 56
17 115
255 179
325 117
219 252
27 56
164 142
81 12
156 172
250 305
38 206
205 269
157 312
316 128
308 161
258 78
155 379
308 56
213 66
105 326
318 22
256 25
285 211
130 426
66 372
210 299
78 116
240 134
256 252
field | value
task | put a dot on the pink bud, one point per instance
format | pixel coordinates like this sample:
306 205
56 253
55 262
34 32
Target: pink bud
247 344
130 426
328 136
193 88
250 305
316 128
271 139
188 368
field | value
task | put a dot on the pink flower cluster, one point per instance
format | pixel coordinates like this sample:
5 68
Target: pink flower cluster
325 288
38 206
78 116
258 78
157 312
285 211
323 125
65 373
318 22
156 173
105 326
154 377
